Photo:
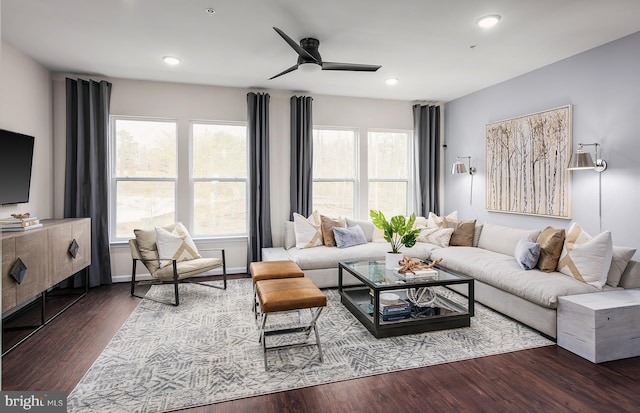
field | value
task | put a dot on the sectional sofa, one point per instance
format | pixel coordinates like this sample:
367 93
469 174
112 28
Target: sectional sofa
529 296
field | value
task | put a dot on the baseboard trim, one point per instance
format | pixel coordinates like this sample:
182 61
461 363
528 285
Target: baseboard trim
144 277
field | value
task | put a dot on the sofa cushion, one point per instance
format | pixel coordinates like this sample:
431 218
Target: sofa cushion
289 235
619 261
462 232
308 232
551 241
502 239
328 257
502 271
326 225
437 236
586 258
527 253
146 240
367 227
349 237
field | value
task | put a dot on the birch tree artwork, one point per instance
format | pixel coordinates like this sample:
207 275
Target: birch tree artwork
526 164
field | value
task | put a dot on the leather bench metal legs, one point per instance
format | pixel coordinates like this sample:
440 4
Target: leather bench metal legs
287 295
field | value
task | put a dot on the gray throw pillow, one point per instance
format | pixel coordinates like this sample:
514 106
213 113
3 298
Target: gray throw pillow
348 237
527 253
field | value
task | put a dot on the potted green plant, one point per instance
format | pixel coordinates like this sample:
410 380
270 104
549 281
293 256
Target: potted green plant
398 232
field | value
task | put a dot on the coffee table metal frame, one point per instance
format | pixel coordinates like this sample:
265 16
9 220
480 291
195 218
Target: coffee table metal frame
354 298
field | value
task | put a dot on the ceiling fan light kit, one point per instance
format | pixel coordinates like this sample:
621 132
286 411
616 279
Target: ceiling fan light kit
309 59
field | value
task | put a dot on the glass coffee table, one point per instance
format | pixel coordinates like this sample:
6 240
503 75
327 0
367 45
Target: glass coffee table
391 304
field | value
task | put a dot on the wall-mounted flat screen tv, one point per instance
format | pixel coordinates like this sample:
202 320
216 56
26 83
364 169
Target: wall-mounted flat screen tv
16 159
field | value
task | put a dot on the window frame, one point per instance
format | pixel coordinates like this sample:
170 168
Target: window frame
193 180
114 179
356 165
410 180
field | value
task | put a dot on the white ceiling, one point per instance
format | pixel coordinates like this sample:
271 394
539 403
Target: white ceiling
424 43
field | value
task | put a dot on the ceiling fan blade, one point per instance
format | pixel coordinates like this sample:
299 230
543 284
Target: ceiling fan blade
295 46
291 69
349 66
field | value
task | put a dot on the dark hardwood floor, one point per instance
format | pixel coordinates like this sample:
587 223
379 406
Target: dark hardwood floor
548 379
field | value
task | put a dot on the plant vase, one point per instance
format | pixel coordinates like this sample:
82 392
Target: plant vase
391 260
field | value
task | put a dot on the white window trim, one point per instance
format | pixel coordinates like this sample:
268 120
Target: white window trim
113 179
410 170
192 180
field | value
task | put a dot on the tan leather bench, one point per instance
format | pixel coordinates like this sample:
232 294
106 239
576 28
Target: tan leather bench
270 270
289 294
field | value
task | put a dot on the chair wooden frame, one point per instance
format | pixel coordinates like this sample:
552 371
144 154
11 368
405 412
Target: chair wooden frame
136 256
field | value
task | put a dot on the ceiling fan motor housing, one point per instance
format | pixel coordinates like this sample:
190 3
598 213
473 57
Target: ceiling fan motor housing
310 45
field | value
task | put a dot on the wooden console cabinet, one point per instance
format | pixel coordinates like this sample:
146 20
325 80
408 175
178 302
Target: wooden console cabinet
45 253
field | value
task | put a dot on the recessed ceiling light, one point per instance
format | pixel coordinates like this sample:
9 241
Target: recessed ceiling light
391 81
170 60
210 10
489 20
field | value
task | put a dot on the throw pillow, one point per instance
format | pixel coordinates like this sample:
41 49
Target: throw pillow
620 260
551 241
436 236
146 240
175 245
527 253
348 237
308 232
462 232
434 221
367 227
327 224
420 222
586 258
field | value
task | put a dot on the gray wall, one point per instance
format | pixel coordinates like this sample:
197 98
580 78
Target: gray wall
603 87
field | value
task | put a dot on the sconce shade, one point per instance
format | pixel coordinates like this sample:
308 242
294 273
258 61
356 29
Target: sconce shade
458 168
581 160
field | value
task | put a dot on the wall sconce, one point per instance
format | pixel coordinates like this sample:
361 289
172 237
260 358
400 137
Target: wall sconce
581 160
460 168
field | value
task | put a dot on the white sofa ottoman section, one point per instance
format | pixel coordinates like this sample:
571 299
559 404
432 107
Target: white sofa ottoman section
602 326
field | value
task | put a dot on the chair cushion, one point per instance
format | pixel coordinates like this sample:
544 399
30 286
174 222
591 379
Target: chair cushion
187 269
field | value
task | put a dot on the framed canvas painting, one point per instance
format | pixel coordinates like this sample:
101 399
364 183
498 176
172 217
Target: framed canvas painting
527 160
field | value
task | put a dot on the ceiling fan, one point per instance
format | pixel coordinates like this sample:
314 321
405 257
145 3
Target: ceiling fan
309 57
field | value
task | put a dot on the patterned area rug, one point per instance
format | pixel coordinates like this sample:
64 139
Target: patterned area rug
206 351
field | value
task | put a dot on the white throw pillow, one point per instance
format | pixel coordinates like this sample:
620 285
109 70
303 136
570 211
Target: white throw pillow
434 221
308 230
436 236
175 245
621 257
586 258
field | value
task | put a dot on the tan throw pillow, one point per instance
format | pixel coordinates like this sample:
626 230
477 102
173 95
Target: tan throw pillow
146 240
175 245
551 241
462 232
308 232
586 258
327 225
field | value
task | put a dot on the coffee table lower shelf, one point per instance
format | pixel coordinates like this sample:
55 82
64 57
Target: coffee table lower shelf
451 316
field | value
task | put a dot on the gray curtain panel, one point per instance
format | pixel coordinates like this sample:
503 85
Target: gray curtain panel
259 191
86 174
426 133
301 177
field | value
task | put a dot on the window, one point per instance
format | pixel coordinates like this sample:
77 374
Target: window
334 171
389 171
219 178
144 174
